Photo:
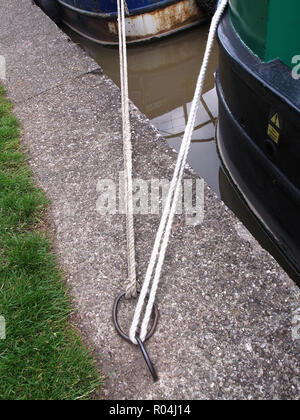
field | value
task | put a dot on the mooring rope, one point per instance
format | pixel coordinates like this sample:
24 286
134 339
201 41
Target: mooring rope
164 230
131 286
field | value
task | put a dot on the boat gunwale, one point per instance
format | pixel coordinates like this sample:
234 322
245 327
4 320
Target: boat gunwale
254 66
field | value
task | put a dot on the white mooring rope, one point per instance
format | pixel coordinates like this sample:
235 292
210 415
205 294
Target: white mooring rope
164 230
131 286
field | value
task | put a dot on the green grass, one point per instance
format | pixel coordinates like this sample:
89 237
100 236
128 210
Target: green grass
42 356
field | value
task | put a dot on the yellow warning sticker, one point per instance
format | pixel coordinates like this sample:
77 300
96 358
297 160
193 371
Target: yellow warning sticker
273 133
275 120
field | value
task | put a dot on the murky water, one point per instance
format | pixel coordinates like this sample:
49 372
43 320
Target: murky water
162 78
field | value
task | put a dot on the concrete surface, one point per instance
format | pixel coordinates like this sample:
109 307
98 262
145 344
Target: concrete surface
227 308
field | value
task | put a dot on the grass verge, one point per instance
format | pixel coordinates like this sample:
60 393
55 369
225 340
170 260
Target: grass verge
42 357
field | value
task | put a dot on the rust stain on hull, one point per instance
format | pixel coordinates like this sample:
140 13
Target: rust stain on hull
144 27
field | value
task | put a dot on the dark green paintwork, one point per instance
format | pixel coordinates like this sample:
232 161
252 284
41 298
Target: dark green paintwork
283 38
270 28
250 21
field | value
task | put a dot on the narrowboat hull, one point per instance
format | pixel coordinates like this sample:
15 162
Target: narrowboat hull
258 137
155 20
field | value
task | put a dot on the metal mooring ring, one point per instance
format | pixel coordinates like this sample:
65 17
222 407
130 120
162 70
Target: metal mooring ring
116 322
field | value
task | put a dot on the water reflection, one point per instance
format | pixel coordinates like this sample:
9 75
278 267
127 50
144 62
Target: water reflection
162 78
202 156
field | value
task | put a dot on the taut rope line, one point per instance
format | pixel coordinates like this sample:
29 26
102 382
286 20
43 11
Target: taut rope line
164 230
163 234
131 286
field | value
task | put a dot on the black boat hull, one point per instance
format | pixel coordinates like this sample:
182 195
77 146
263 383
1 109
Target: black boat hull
258 137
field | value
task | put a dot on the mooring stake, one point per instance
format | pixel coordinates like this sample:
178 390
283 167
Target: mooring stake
139 341
147 359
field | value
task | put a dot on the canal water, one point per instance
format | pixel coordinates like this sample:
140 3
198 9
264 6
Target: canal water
162 77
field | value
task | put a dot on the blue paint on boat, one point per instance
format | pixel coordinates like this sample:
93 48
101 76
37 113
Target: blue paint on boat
110 6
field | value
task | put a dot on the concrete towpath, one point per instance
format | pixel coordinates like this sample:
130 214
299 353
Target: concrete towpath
227 309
